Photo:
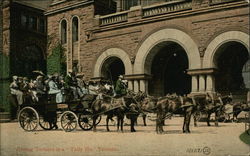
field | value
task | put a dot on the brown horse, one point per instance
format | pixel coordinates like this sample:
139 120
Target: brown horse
106 106
167 106
207 105
138 98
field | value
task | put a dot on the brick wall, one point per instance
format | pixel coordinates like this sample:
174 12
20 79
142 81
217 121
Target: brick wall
202 24
201 27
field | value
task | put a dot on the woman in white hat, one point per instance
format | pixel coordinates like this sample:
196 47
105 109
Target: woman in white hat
53 89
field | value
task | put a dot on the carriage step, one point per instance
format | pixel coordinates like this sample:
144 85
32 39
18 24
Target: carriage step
4 117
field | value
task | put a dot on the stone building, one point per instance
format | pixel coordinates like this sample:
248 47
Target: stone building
23 41
165 46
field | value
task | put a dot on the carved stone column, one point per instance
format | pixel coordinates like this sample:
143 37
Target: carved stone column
144 86
195 83
136 86
202 83
130 85
210 83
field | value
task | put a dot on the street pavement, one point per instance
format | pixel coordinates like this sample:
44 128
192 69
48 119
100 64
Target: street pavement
202 141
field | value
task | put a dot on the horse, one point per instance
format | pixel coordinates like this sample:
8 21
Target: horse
238 108
148 105
206 104
169 105
124 105
138 99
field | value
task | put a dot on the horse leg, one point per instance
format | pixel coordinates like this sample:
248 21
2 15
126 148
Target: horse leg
162 121
122 120
94 123
188 118
216 118
195 120
136 122
132 125
157 123
144 119
107 122
208 119
118 123
184 124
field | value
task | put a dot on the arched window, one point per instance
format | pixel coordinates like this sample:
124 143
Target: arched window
64 32
75 29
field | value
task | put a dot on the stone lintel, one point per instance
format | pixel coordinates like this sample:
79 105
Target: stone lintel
138 77
201 71
96 79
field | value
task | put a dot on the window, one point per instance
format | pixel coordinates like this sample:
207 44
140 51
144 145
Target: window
24 20
33 23
75 29
64 32
41 25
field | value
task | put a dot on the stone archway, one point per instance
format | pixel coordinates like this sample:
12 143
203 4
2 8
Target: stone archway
213 46
147 50
168 34
168 62
226 45
112 68
109 53
229 59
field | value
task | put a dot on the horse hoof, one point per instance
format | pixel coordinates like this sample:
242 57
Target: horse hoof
133 130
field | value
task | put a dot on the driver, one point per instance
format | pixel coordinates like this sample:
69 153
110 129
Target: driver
121 87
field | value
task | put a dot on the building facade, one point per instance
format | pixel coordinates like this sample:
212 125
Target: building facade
165 47
161 47
23 42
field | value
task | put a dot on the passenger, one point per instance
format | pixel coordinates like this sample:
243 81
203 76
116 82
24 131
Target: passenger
53 89
15 90
25 86
40 85
93 88
71 83
81 85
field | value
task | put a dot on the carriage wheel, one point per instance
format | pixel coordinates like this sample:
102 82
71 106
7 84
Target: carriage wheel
85 122
28 119
68 121
46 124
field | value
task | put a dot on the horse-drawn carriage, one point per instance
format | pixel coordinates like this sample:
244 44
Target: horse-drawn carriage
45 113
70 113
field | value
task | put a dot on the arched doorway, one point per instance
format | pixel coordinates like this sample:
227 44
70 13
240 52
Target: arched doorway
112 68
30 59
168 63
232 68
